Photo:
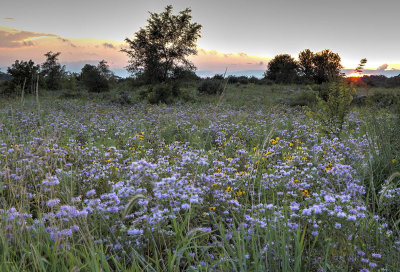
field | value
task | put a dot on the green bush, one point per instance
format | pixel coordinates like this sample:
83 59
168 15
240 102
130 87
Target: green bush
304 98
161 93
93 80
210 86
333 111
383 99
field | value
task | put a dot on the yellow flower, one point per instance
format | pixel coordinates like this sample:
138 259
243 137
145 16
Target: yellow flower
212 208
295 180
228 190
239 193
394 160
327 169
305 192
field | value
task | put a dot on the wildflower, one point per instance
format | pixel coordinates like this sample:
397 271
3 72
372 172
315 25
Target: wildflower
185 206
228 190
305 192
295 180
212 209
239 193
135 232
90 193
394 160
53 202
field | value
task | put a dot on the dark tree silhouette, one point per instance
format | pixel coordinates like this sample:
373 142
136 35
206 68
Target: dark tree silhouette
21 71
93 79
52 71
306 63
162 47
282 69
327 66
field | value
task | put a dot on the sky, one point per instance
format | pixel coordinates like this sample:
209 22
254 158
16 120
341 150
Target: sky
241 36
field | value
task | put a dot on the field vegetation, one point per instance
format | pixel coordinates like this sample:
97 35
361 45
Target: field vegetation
166 171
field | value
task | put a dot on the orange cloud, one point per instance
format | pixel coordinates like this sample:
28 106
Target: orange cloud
12 38
25 45
215 61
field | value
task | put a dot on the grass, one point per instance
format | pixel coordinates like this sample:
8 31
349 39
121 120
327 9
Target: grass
236 184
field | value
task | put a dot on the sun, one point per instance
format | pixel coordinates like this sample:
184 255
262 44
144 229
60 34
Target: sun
355 74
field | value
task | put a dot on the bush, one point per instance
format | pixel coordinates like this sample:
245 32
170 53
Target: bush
161 93
122 98
323 90
304 98
333 111
93 80
210 86
383 99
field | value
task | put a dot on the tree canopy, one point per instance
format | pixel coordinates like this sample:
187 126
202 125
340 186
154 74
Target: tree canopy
52 71
159 51
282 69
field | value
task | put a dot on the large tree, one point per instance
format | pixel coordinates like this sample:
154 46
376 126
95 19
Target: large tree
23 71
161 48
327 66
306 63
52 71
282 69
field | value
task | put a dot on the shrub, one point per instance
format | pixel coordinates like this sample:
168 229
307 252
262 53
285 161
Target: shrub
333 111
305 98
161 93
93 80
382 99
210 86
122 98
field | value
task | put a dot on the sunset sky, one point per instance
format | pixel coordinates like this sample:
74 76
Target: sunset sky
240 35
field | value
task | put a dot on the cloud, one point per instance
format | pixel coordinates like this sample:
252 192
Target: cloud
109 45
67 41
12 38
261 63
28 43
9 18
383 67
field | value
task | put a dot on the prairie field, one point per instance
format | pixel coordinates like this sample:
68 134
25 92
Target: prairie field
237 182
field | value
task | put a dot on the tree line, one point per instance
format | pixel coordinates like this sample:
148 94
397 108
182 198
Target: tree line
158 57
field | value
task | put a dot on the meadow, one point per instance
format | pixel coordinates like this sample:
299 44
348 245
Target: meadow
237 182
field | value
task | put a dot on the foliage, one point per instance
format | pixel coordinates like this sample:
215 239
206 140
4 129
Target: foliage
21 71
161 93
104 70
93 79
361 66
282 69
327 66
192 187
69 81
210 86
383 99
333 111
52 71
162 47
305 98
306 64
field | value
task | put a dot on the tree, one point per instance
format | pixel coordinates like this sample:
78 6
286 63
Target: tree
104 69
162 47
306 63
282 69
93 80
52 71
22 71
327 66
